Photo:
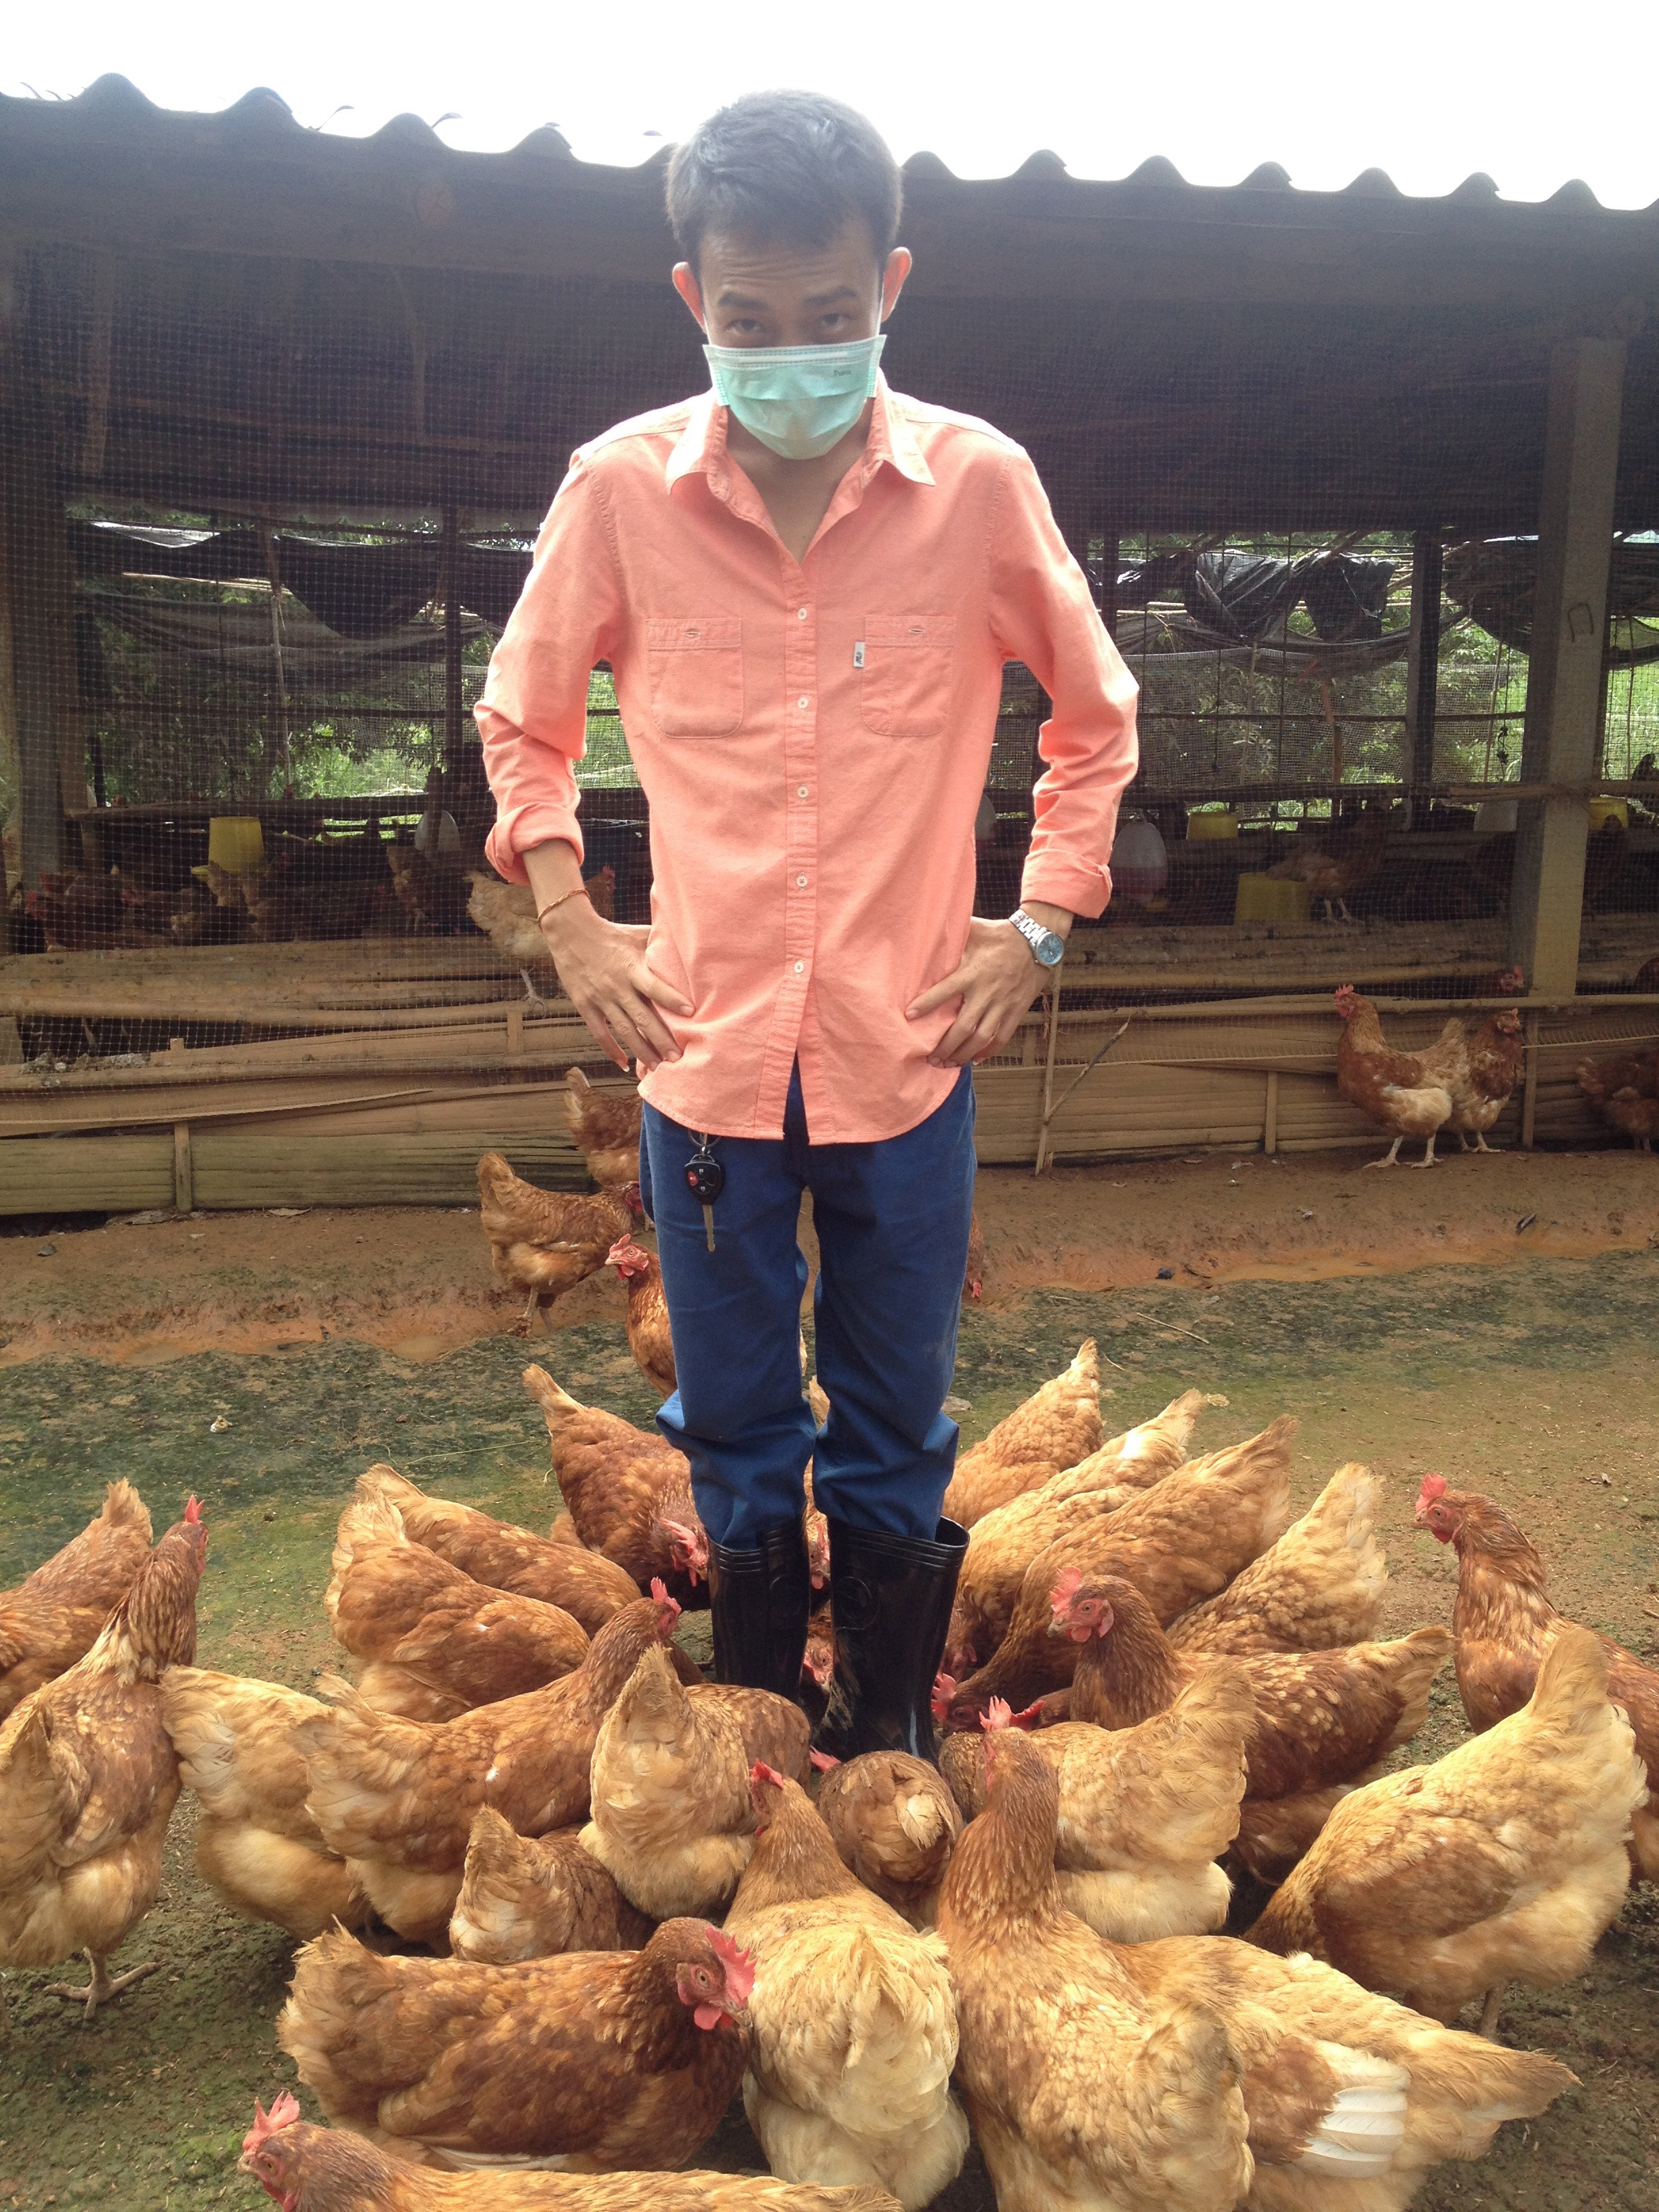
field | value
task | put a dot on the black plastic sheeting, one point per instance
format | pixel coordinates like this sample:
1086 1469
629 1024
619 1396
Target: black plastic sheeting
1492 580
1247 597
358 591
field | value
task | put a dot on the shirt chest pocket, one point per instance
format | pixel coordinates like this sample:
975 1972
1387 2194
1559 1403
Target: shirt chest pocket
696 674
908 663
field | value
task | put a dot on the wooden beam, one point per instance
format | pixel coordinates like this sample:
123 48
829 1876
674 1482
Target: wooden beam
1423 669
1569 637
40 592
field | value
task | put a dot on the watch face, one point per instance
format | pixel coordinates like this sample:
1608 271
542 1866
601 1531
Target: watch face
1049 948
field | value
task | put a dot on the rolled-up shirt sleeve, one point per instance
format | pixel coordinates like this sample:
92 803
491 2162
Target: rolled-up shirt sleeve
1044 615
532 716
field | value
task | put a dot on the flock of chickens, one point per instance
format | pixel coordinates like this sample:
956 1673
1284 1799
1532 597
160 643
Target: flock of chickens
1465 1079
561 1900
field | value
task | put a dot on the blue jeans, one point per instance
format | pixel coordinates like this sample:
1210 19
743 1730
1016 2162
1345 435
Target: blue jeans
892 1227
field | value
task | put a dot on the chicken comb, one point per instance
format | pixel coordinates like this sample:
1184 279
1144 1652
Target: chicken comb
284 2111
760 1772
1434 1485
944 1691
193 1514
997 1714
1068 1585
739 1963
659 1592
822 1761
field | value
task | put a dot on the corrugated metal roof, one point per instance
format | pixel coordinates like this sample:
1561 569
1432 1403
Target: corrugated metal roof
262 118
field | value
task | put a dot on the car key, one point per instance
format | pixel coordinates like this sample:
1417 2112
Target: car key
705 1178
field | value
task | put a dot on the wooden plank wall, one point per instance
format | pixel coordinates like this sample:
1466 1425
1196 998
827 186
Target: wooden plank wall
1179 1079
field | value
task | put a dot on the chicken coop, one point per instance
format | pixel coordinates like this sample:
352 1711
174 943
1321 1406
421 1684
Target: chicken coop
1367 487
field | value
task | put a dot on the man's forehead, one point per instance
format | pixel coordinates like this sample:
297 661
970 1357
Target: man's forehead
740 272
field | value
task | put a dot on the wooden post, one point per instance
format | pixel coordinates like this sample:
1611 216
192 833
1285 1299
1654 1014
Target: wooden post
1048 1065
1564 677
1529 1095
1422 670
1270 1114
45 691
1110 559
449 563
184 1171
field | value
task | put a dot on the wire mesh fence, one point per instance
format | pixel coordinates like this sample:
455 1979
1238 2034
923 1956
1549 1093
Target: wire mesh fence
268 513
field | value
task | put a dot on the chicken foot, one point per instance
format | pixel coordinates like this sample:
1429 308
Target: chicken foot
1392 1156
102 1987
1480 1144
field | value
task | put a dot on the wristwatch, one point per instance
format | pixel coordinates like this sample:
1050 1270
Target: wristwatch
1047 950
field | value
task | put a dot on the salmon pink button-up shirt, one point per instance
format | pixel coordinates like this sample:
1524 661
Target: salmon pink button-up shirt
813 738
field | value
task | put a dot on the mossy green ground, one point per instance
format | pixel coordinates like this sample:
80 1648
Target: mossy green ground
1537 1383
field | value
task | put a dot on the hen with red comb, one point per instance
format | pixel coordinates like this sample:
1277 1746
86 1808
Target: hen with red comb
612 2060
89 1778
627 1491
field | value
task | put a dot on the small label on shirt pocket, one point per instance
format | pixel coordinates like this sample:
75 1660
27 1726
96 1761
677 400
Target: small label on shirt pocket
908 664
696 674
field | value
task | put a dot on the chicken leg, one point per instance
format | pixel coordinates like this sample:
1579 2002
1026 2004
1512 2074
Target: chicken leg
1489 2014
102 1987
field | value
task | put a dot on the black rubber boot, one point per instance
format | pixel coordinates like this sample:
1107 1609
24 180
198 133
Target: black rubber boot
759 1601
890 1597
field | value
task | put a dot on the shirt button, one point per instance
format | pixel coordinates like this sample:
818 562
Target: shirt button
800 614
800 967
802 701
800 882
800 791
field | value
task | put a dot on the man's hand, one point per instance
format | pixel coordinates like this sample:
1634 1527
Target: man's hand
996 982
602 967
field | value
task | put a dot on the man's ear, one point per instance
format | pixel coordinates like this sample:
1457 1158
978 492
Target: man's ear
892 278
686 285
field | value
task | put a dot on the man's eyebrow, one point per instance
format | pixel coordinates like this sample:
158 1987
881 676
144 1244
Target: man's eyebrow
730 299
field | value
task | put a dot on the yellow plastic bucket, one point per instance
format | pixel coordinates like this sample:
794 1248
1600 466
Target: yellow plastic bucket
1608 809
1214 822
236 842
1260 898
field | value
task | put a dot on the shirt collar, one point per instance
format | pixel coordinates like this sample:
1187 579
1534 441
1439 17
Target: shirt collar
699 448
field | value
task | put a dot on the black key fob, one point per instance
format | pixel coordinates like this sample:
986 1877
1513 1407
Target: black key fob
705 1178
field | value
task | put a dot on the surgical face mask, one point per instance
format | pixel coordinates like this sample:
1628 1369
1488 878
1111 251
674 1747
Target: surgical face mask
799 400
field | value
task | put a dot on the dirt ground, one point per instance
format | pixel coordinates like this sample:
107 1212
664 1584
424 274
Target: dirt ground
1409 1320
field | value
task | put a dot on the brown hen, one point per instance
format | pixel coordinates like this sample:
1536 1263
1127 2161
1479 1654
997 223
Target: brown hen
310 2169
546 1242
256 1843
586 1586
433 1642
1057 1426
605 1127
895 1824
1322 1719
528 1896
601 2059
1503 1623
52 1618
398 1797
650 1339
89 1778
1179 1542
627 1490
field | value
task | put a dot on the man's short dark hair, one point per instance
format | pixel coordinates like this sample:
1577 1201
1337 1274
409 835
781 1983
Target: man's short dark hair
792 168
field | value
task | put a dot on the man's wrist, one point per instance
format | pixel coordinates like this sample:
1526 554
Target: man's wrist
1059 919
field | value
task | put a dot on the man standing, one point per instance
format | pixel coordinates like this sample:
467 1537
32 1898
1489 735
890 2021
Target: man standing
807 587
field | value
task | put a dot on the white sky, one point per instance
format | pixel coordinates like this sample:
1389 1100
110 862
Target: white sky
1429 93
